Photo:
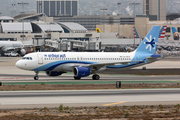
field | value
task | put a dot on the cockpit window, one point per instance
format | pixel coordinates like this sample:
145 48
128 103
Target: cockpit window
27 58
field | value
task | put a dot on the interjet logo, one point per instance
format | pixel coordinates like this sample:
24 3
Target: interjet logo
150 43
45 55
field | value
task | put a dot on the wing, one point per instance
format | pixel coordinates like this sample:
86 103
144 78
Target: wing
97 66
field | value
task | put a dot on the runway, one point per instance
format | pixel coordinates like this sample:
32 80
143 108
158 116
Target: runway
9 78
78 98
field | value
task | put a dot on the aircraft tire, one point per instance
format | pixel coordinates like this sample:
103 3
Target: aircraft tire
77 78
36 77
95 77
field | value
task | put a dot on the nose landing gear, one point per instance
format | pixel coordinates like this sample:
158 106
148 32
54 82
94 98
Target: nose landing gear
36 77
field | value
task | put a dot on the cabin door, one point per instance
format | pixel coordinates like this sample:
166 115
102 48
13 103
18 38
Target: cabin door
40 59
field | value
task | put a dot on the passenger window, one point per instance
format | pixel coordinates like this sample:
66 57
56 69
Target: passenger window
30 58
27 58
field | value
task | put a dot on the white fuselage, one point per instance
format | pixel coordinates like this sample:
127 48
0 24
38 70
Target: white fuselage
65 61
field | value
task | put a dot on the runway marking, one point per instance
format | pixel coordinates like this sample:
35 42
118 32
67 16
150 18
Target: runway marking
114 103
14 78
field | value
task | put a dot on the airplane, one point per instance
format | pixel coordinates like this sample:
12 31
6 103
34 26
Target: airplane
175 33
161 33
82 64
16 46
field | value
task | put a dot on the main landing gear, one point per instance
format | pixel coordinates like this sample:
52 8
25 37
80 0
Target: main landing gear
36 77
95 77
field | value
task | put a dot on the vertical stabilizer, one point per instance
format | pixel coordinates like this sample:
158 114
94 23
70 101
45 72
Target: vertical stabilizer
149 44
162 33
136 35
173 30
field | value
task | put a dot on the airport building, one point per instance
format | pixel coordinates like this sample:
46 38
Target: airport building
6 19
143 25
57 7
90 21
81 30
155 7
58 36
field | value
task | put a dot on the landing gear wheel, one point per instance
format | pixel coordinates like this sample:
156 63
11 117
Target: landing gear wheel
95 77
36 77
77 78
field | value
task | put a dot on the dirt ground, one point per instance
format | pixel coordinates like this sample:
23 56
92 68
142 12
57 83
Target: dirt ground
172 112
159 112
43 86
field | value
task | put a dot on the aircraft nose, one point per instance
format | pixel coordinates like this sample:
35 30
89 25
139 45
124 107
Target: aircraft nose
18 64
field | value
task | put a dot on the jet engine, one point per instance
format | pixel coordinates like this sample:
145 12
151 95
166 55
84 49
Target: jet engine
23 51
53 73
81 71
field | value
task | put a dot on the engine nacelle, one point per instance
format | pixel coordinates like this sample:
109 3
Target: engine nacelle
23 51
81 71
53 73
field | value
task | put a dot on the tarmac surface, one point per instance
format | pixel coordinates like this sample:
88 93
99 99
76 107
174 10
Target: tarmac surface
78 98
31 99
105 79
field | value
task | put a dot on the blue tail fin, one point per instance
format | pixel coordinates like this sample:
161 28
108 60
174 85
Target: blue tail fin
148 45
173 30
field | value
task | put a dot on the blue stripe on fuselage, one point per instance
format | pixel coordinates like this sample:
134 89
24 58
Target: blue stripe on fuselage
53 65
124 66
156 56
